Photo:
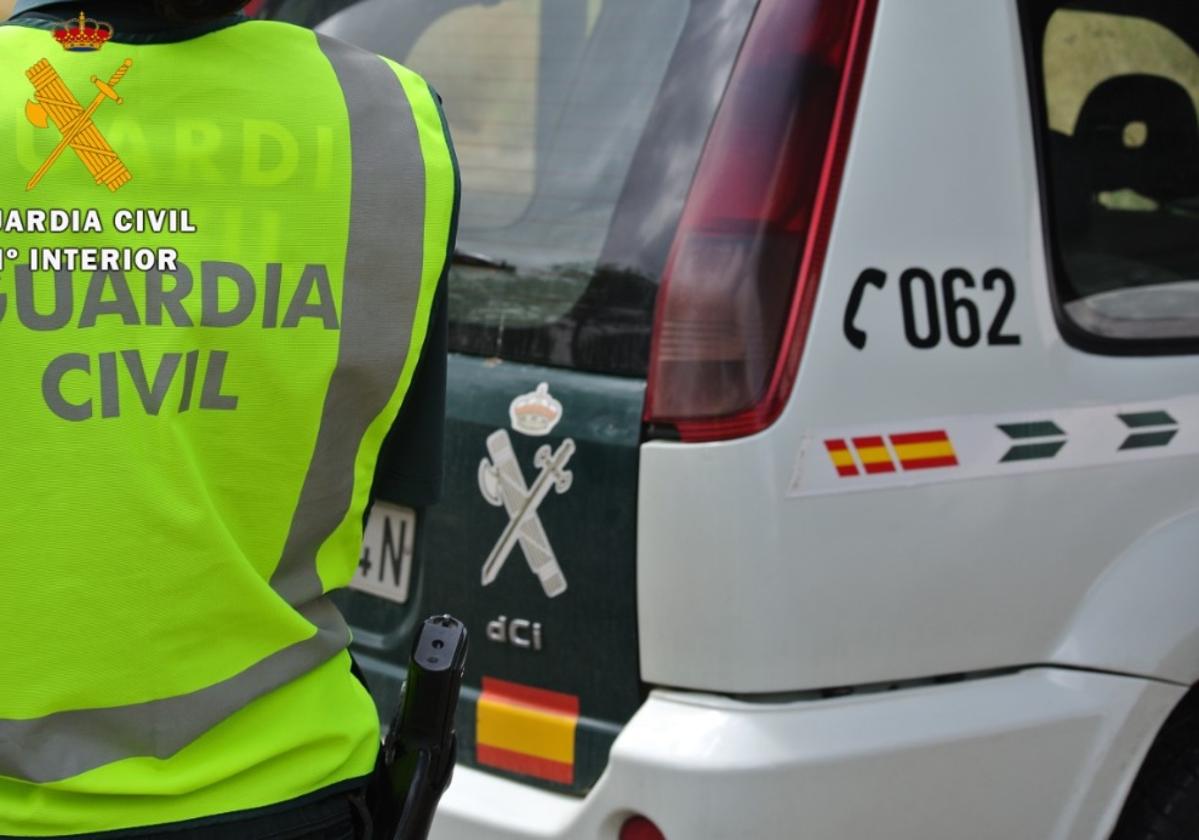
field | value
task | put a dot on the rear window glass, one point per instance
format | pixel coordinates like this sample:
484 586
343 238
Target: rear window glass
1119 83
550 103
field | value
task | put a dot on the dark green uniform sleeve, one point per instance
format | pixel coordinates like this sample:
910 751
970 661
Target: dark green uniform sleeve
410 469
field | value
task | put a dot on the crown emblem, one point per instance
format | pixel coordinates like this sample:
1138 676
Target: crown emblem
537 413
83 34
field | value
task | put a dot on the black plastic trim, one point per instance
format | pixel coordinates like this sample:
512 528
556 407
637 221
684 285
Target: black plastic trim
886 687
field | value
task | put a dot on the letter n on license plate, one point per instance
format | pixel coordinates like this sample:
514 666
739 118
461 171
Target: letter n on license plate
385 565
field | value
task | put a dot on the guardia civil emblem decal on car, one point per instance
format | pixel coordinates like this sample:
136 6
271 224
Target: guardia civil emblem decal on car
502 483
535 414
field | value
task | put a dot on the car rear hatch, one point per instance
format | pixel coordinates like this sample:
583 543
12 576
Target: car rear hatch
579 125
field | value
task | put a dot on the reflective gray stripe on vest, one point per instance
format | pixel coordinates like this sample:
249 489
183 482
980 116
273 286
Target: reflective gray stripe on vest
66 744
382 281
384 256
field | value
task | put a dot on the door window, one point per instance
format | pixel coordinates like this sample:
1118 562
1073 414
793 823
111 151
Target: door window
1119 131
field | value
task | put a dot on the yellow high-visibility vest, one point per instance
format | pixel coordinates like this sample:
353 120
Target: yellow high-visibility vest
217 263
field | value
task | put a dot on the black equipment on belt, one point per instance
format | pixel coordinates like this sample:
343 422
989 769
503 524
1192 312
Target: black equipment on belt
417 758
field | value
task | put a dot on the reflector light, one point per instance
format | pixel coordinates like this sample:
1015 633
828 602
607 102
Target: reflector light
740 282
640 828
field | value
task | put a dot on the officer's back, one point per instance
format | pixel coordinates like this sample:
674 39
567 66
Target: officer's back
194 403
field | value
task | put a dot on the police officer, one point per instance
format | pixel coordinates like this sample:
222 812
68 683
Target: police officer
201 368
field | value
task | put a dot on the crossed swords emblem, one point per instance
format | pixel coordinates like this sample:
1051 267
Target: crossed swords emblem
55 102
503 484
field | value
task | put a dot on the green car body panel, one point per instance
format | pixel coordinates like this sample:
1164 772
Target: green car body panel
588 633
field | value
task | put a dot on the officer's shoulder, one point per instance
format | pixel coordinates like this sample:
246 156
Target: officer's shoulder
278 32
410 78
282 35
281 30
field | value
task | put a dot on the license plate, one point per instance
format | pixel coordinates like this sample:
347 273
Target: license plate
385 565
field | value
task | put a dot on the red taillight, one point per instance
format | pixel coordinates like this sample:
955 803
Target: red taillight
740 282
639 828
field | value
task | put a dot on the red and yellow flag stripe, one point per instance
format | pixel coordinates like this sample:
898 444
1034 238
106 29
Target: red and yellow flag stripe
843 461
874 455
879 454
526 730
924 450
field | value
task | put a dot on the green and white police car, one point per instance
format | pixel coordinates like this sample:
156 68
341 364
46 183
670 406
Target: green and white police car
823 438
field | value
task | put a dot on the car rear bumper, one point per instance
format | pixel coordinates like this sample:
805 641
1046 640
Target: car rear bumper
1041 753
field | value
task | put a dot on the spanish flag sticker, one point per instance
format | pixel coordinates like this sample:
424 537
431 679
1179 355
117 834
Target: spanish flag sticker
842 457
913 451
525 730
873 452
924 450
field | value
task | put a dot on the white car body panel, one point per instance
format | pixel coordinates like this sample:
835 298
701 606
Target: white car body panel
940 576
1036 754
1136 618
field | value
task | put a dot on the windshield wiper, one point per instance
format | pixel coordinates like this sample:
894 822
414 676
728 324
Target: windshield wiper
477 260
